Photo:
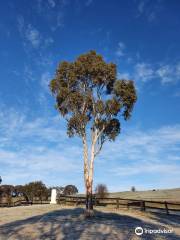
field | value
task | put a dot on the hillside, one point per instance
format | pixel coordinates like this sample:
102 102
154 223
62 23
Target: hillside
164 194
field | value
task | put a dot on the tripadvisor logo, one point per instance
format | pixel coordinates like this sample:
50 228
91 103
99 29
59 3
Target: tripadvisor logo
138 231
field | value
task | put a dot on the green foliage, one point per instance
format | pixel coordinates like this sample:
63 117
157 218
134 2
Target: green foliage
6 189
35 189
88 91
70 190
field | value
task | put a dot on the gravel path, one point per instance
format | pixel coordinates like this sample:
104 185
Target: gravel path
53 222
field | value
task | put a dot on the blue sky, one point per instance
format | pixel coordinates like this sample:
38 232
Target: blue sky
142 38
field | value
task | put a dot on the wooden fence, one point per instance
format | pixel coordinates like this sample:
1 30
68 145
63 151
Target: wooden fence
143 205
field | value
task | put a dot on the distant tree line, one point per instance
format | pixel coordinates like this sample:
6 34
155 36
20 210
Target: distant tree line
36 189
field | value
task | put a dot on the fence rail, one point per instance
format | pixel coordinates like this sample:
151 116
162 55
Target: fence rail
143 205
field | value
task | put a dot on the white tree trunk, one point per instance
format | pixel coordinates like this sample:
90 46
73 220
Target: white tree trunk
85 153
89 171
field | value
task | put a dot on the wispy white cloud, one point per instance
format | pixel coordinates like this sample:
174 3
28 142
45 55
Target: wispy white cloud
177 69
138 154
148 9
120 50
48 41
124 75
40 163
137 144
177 93
28 74
20 23
52 3
15 126
28 32
141 6
59 21
45 61
40 147
151 16
45 80
165 73
144 72
149 146
88 2
148 168
33 36
52 12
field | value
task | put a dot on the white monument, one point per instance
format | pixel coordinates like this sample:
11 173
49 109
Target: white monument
53 196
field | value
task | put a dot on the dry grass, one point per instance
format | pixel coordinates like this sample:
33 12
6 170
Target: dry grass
57 222
158 195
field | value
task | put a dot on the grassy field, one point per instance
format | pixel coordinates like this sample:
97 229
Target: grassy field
159 195
164 195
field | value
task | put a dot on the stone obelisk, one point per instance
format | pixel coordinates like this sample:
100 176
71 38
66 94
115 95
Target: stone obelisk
53 196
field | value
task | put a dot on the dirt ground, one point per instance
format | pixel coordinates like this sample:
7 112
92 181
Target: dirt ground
54 222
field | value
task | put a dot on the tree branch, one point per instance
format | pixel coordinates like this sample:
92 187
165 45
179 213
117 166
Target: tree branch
101 141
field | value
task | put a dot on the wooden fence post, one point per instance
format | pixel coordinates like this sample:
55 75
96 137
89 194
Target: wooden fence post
166 207
117 203
127 205
142 205
95 201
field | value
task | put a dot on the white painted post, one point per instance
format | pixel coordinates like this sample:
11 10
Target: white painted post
53 196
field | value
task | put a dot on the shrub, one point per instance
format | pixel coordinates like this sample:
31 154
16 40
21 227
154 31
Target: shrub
70 190
133 189
101 191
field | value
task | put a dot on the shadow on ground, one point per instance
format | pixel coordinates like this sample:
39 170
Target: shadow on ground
70 224
172 219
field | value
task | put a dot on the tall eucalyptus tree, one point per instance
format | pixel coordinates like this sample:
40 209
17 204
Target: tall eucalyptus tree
92 100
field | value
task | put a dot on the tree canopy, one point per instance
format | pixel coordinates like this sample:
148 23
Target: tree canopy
70 190
35 189
88 91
